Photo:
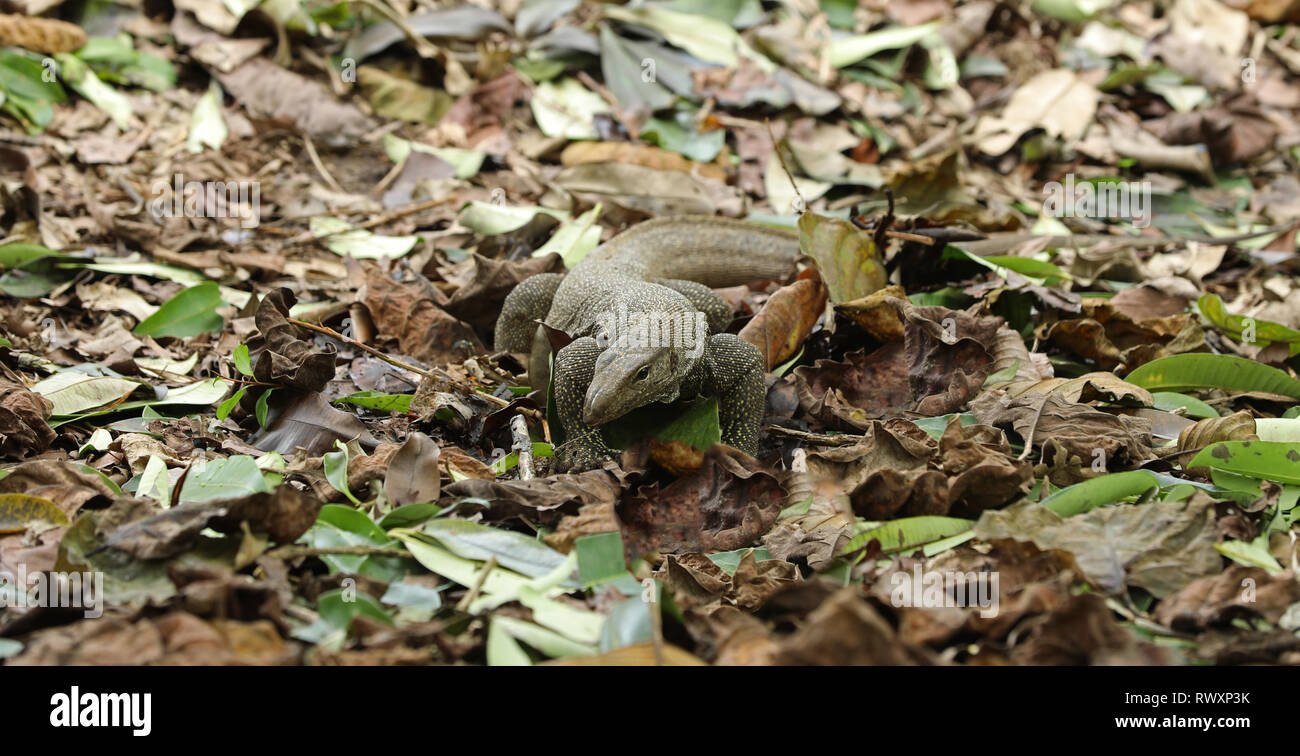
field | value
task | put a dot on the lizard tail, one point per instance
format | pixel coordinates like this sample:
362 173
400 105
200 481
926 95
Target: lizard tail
529 301
709 250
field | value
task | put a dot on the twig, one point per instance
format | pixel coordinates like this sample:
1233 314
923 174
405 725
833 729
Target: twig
431 373
379 220
468 598
320 167
817 439
776 147
656 622
423 47
523 446
327 331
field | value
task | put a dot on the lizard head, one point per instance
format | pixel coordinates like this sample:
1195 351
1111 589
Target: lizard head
626 379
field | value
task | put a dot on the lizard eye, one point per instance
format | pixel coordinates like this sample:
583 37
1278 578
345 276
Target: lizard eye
643 373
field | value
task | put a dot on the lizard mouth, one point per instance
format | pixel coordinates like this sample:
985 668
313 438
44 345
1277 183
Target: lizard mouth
601 406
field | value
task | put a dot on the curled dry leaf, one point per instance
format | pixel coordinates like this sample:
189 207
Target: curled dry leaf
939 365
42 35
787 317
287 360
1239 426
1160 546
729 504
412 312
23 416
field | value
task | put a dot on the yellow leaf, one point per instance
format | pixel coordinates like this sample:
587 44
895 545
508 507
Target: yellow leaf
20 511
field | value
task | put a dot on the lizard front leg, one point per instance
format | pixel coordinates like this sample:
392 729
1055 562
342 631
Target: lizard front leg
735 376
584 448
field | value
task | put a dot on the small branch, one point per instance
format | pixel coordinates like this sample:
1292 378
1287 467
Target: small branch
423 47
432 373
468 598
817 439
320 167
523 446
776 147
379 220
326 330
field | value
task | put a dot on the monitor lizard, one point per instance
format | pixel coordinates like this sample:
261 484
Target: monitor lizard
633 307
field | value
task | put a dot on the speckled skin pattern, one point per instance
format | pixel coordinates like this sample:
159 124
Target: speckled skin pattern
663 267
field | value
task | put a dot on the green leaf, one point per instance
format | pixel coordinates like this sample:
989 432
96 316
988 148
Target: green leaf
336 470
16 255
1252 554
848 50
1266 460
378 401
1027 266
116 59
1104 489
502 649
566 109
243 363
414 596
341 525
87 83
600 558
262 408
575 239
730 560
511 460
489 219
846 257
410 515
1170 401
191 312
935 426
72 392
709 39
694 424
183 276
27 95
339 612
227 478
154 482
466 162
98 441
907 533
207 124
684 138
204 392
472 540
228 406
1190 372
339 237
463 571
1245 329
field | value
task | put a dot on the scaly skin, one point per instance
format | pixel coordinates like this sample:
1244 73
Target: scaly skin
660 268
